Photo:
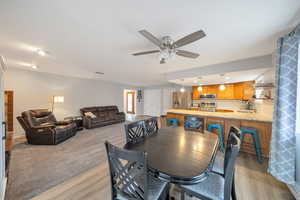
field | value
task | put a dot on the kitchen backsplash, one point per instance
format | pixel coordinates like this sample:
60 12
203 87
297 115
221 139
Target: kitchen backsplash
262 106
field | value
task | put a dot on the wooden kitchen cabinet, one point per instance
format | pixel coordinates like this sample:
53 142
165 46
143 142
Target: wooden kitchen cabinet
178 116
195 92
264 130
238 91
248 90
210 120
234 91
227 93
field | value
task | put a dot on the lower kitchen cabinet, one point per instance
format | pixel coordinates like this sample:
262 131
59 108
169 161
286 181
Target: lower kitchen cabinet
264 130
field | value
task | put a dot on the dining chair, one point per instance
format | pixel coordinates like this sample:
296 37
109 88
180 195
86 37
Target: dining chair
218 166
135 131
151 126
217 186
129 177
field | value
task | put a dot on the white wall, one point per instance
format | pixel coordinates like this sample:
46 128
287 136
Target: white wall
152 102
2 142
158 100
33 90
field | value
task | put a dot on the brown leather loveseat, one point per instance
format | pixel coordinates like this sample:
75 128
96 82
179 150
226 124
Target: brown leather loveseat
98 116
41 127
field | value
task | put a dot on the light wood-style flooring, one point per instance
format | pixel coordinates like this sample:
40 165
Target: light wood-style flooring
252 182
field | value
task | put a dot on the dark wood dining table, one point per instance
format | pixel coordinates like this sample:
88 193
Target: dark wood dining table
178 156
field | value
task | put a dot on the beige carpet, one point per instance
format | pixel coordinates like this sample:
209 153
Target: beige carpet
34 169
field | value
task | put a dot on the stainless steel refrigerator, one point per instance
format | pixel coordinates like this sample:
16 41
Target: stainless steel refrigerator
182 100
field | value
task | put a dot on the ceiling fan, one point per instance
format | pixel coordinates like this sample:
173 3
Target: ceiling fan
168 48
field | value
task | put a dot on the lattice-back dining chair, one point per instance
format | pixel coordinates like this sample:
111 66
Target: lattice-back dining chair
151 126
218 166
135 131
129 178
218 186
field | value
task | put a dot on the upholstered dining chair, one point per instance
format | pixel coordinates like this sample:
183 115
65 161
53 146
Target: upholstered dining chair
218 186
135 131
151 126
129 177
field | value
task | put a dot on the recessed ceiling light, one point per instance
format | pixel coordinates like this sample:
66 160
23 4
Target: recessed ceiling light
222 87
41 52
34 66
99 73
182 89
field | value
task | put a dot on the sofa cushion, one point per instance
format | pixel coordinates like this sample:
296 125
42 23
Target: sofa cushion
90 114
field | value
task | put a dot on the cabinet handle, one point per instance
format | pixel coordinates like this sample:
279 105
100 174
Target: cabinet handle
4 126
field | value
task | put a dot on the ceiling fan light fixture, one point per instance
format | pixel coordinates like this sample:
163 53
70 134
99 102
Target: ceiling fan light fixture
168 47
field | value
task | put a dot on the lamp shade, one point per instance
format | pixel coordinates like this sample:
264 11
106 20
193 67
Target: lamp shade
58 99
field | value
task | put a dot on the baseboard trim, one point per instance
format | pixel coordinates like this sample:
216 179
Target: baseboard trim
294 191
3 188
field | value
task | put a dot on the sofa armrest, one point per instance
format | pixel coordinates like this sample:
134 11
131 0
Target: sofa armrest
121 113
46 126
87 122
64 122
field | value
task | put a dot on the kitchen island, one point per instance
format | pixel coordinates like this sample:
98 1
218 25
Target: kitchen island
259 121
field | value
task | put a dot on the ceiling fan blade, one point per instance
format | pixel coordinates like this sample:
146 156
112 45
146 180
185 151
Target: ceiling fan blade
145 52
151 37
190 38
187 54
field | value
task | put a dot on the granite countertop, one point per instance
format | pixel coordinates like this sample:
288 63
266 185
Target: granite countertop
228 115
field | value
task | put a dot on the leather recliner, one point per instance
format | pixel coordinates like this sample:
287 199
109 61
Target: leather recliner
104 115
42 128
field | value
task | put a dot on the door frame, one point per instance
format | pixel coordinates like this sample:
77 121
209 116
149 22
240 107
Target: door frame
133 102
3 178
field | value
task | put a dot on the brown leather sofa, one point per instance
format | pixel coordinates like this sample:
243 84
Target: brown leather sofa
103 115
42 128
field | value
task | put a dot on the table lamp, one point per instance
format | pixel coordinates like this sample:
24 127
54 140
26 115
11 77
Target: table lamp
57 99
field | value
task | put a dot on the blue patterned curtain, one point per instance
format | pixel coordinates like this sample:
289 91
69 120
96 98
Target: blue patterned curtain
282 163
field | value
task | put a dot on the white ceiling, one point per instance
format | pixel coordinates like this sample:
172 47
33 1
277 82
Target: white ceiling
87 36
231 77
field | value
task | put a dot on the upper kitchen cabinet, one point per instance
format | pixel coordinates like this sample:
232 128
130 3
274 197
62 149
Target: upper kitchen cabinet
227 93
195 92
233 91
248 90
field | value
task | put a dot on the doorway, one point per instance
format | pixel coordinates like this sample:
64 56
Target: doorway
130 102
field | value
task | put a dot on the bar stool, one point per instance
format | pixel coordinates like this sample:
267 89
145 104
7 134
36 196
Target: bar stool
210 126
256 142
172 121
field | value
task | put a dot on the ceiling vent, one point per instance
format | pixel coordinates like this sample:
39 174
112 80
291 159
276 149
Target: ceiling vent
2 63
99 73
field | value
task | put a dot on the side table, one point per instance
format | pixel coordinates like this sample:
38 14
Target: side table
78 120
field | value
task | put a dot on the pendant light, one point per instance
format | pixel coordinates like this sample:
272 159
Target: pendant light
200 88
222 87
182 89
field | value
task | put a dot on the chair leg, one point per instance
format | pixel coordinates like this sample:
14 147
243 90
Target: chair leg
257 148
182 195
221 139
233 192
